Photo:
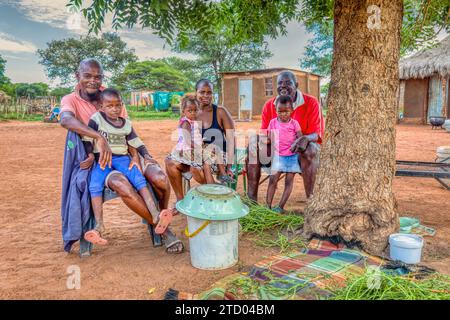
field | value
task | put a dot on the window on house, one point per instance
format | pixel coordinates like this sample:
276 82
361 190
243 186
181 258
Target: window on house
268 83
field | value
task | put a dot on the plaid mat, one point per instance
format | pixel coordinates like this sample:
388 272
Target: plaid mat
307 274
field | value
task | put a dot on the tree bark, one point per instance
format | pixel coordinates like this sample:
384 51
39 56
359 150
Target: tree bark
353 195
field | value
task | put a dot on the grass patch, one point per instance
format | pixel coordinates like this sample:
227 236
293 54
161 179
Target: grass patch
272 229
273 289
359 287
150 114
261 218
21 116
281 241
385 286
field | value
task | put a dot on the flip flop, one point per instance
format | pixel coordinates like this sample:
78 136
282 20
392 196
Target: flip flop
175 212
165 218
93 236
172 240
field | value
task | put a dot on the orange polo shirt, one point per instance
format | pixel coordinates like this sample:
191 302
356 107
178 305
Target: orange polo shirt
82 109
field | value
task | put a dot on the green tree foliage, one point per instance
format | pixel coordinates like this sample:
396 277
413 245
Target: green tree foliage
9 89
151 75
218 53
242 21
61 57
190 68
177 19
31 90
319 49
60 92
3 78
5 84
422 21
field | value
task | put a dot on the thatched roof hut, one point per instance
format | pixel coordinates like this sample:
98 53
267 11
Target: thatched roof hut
426 63
424 83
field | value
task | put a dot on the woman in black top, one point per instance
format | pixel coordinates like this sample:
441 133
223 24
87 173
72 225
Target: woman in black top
217 129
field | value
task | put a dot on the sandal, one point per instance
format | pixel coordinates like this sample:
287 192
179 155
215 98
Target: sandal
170 241
224 179
165 218
277 209
93 236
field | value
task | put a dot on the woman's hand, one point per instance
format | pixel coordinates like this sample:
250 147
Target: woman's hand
86 164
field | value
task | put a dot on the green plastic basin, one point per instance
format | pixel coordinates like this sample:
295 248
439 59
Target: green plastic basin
212 202
407 223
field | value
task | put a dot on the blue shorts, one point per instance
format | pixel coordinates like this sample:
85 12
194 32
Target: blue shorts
285 164
121 164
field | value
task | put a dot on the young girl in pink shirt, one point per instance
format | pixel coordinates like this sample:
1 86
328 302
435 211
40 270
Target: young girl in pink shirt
282 132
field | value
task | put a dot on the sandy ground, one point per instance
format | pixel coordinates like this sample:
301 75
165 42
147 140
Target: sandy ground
34 266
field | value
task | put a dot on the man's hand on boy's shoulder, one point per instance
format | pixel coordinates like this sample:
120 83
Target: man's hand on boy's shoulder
87 163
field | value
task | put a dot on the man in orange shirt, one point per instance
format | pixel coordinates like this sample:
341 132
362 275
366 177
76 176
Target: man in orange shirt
308 113
76 110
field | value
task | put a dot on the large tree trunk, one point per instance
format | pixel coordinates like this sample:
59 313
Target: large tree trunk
353 193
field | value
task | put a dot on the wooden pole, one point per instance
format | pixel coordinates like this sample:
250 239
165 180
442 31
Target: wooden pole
444 96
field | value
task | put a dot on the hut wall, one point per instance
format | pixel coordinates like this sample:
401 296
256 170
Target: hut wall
259 95
415 100
314 86
302 82
307 83
230 97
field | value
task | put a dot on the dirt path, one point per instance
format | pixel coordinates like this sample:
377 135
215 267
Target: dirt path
34 266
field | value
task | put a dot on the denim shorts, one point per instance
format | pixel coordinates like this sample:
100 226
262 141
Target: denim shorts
285 164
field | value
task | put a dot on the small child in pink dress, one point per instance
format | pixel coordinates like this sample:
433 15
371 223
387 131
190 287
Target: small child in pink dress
188 150
282 132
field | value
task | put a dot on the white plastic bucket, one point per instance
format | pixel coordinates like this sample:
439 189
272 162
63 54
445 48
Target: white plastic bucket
405 247
215 246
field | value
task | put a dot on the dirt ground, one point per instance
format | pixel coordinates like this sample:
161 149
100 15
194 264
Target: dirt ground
34 266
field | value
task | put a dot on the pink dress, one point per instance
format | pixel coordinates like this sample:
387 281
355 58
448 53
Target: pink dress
183 151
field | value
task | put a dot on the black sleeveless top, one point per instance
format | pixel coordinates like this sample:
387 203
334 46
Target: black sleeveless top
215 133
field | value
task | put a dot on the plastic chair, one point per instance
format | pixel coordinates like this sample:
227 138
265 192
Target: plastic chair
238 168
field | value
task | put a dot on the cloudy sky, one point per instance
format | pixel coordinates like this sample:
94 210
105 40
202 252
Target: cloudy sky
27 25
